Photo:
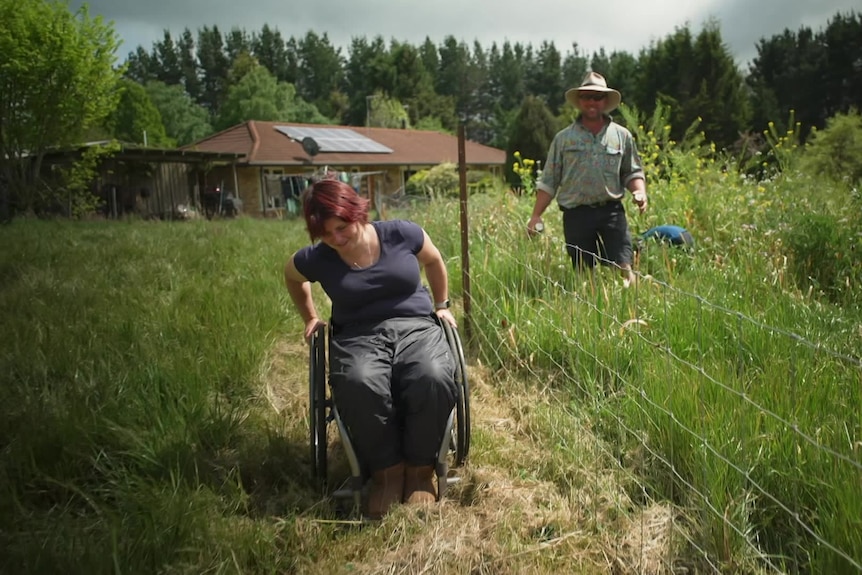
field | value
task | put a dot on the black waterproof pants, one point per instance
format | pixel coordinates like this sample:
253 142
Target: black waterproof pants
394 385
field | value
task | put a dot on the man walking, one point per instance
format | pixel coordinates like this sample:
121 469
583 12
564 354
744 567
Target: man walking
590 165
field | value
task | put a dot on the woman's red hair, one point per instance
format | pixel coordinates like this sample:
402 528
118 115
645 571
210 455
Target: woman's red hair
330 198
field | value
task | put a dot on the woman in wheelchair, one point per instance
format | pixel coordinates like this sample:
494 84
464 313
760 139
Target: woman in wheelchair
391 371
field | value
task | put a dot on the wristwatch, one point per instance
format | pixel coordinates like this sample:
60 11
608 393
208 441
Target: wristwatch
441 305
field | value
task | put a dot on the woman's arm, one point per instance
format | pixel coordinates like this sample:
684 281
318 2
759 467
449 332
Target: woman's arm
438 278
299 289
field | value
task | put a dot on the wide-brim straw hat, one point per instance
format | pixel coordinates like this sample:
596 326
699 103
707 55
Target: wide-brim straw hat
595 82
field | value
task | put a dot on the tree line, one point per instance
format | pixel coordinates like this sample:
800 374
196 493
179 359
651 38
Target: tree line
814 73
62 84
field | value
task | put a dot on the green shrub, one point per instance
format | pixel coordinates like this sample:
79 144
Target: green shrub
836 151
819 246
439 181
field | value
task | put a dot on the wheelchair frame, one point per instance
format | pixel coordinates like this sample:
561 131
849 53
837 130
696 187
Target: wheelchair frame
322 411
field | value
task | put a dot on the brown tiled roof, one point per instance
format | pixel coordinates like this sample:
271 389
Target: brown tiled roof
263 145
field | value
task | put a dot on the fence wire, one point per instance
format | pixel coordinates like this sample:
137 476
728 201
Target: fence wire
751 469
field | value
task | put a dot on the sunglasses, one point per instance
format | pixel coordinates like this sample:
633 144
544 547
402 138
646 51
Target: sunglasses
595 97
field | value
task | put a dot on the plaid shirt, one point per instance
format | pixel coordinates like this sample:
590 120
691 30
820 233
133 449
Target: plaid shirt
583 168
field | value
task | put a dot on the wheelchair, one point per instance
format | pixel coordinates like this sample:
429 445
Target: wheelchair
454 446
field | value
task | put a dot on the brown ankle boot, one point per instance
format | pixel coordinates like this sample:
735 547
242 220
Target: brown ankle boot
419 485
387 488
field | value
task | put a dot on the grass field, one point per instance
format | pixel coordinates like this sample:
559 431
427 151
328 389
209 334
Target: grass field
154 397
154 391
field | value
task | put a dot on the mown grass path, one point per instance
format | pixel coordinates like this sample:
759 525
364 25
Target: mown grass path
520 507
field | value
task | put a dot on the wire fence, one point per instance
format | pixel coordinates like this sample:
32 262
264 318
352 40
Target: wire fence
751 434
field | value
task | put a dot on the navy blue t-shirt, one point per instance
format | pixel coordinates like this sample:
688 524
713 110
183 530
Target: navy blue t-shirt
391 287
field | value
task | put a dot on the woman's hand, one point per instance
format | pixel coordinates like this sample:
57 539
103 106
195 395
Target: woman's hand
312 326
447 316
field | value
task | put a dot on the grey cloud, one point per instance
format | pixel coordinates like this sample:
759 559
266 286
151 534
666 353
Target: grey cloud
745 23
627 25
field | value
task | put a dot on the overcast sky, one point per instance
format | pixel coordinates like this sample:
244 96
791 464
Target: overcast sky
627 25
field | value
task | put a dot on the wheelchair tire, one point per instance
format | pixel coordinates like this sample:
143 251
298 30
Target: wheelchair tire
317 405
462 407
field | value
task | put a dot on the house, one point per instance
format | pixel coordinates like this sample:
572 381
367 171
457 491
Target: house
377 161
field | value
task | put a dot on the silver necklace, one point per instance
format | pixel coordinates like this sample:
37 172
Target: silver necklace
367 251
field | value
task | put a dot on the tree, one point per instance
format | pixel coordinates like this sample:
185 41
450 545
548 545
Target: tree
141 66
384 112
411 78
368 69
214 67
666 74
57 80
505 86
167 58
258 96
291 73
454 75
816 75
623 69
480 121
836 151
321 70
236 42
430 58
435 110
242 64
532 132
184 120
546 77
601 63
699 81
136 119
574 67
620 69
413 86
189 65
842 39
269 49
721 100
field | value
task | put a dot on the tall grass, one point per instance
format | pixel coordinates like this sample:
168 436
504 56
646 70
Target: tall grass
140 365
728 383
721 394
130 362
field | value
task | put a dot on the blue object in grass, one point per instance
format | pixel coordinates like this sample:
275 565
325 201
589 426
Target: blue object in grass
673 235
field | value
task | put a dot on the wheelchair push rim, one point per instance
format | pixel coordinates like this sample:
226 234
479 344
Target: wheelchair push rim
461 429
317 405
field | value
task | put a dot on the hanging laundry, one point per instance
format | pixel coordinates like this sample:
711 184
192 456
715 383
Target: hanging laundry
291 189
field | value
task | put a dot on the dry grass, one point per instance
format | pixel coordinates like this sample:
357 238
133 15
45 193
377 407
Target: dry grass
521 506
285 376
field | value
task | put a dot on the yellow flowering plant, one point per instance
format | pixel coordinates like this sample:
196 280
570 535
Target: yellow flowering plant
528 173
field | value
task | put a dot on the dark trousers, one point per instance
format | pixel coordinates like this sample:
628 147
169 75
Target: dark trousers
601 229
394 385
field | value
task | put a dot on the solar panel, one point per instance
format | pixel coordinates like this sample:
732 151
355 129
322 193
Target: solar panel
335 139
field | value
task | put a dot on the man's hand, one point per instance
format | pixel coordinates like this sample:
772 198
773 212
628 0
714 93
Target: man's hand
640 200
535 226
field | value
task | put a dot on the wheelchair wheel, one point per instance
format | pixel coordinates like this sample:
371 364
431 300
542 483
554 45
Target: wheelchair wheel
461 429
317 405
